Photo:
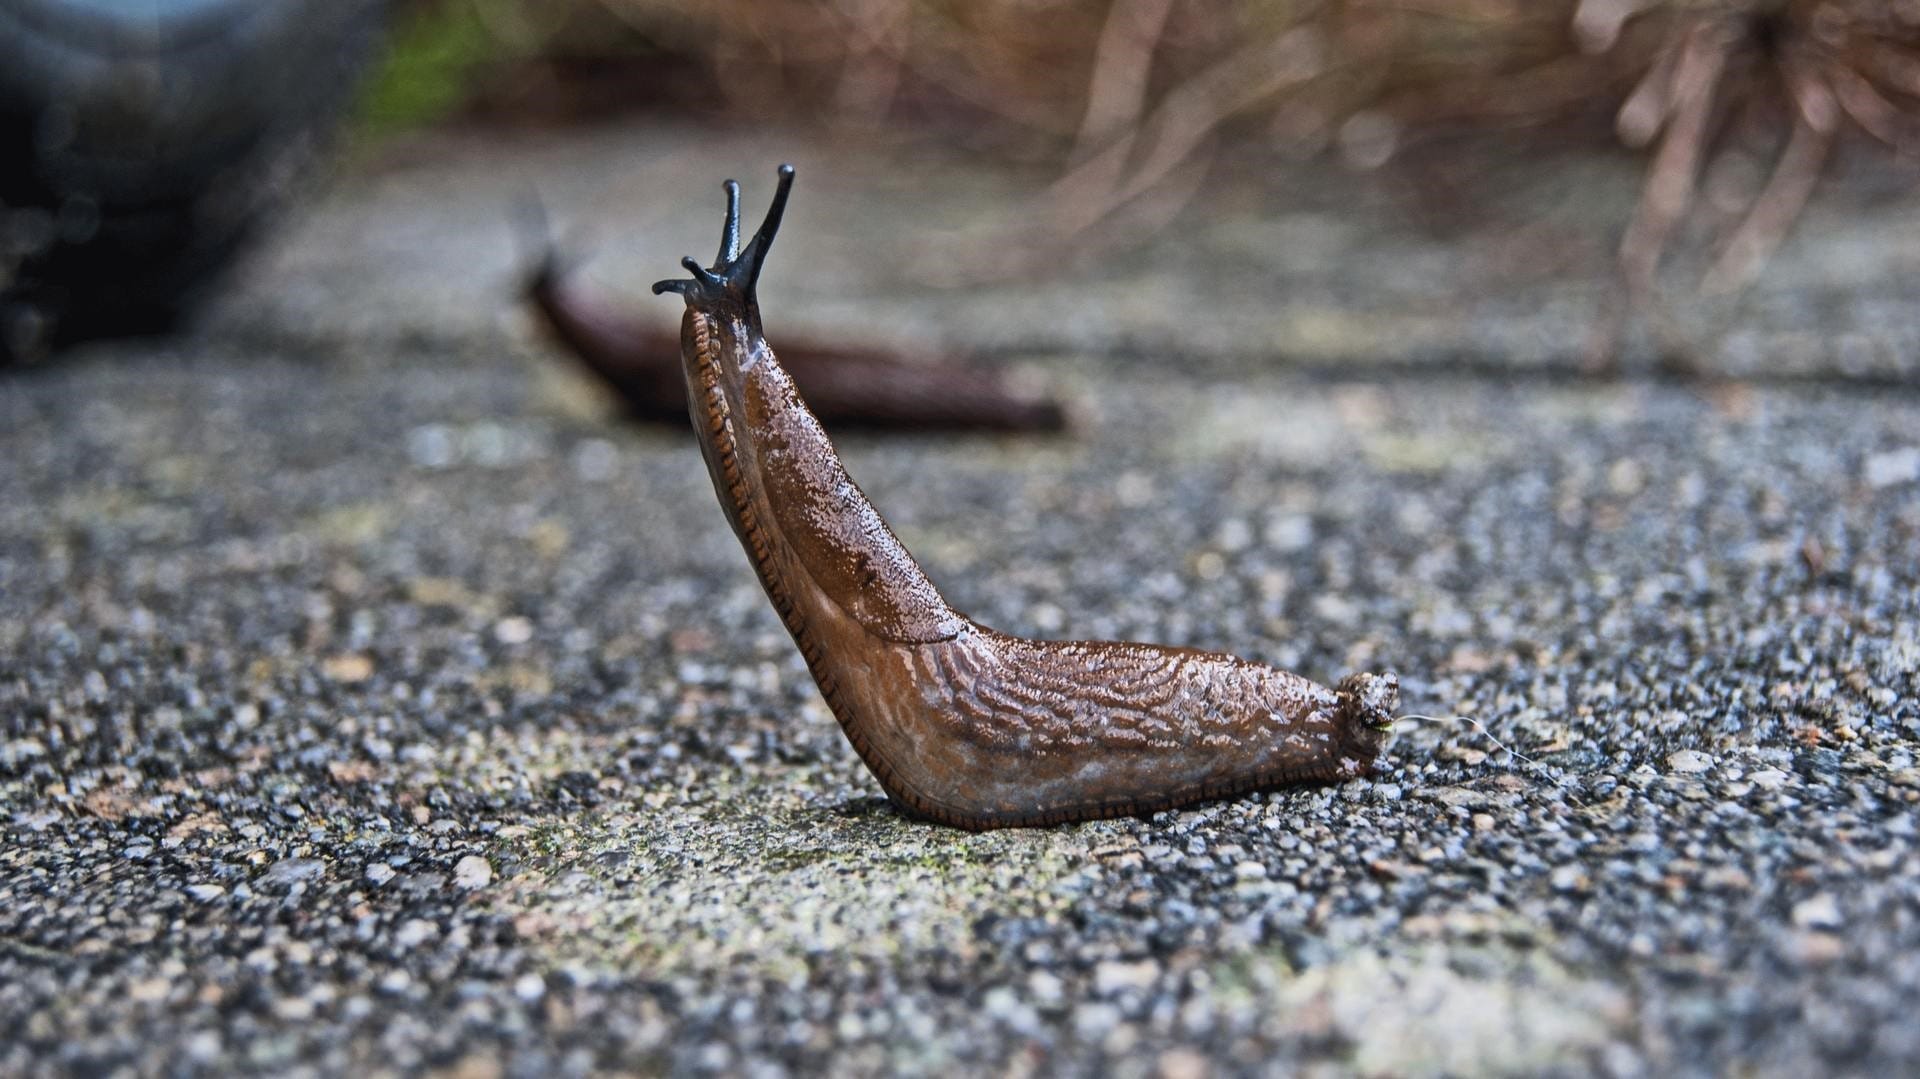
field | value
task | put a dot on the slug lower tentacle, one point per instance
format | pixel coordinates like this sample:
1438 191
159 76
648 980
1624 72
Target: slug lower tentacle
962 724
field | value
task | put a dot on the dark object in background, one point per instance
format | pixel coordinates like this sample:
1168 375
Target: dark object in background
142 143
849 387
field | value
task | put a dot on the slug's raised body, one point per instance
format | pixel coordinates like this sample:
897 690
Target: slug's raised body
962 724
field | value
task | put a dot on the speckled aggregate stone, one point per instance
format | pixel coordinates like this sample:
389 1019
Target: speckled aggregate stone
373 707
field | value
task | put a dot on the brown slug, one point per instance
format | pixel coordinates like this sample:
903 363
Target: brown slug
962 724
849 387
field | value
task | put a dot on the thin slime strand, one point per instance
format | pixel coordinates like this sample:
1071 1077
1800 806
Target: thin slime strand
1558 781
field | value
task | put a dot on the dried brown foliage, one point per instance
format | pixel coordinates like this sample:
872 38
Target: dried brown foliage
1132 97
1814 67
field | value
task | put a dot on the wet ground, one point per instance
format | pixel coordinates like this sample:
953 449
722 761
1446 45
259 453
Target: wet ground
372 700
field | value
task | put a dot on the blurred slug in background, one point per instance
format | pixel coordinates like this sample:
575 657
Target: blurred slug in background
848 385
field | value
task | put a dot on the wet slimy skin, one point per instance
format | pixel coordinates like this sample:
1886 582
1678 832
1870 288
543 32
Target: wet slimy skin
962 724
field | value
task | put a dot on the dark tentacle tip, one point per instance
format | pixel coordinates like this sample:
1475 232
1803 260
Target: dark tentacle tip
734 275
546 260
700 273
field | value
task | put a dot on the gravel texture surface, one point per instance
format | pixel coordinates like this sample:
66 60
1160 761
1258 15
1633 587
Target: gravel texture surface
371 701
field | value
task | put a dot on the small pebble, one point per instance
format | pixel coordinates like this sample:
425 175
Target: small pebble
1110 978
472 872
1689 762
293 871
1892 467
1819 912
414 932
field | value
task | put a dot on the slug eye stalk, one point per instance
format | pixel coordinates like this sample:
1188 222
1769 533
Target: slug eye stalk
960 723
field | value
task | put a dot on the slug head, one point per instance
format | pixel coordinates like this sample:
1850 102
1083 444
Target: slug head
1365 712
728 286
